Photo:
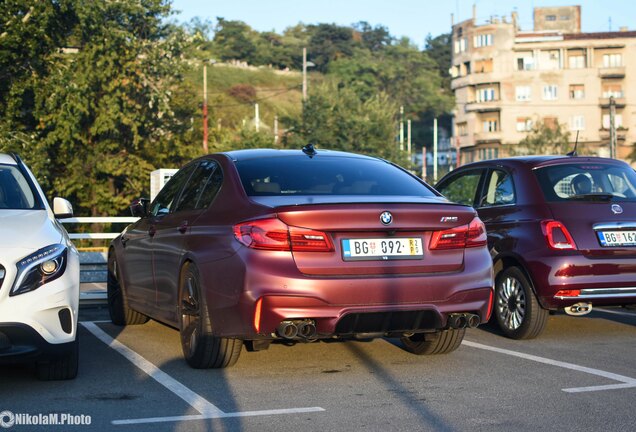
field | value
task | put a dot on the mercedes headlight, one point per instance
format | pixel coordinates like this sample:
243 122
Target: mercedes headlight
40 267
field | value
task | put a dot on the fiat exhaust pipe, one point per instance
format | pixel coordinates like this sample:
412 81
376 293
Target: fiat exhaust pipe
579 309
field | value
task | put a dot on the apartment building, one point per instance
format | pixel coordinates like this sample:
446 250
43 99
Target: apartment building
506 79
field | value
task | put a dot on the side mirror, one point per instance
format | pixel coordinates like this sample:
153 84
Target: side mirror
139 207
62 209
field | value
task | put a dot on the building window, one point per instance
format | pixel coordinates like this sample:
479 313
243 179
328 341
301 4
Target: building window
550 92
490 125
577 62
577 123
524 124
525 62
460 45
483 66
523 93
613 90
462 129
485 94
618 121
550 17
577 91
467 67
482 40
612 60
550 122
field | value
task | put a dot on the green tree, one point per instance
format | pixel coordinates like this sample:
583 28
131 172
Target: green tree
109 112
334 117
329 42
439 50
543 139
234 40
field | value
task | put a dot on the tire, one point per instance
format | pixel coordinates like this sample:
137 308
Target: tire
120 313
59 368
516 308
201 349
440 342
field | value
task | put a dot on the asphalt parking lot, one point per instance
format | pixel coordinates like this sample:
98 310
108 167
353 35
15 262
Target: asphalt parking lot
580 375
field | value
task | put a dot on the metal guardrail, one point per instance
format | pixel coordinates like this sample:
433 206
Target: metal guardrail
93 270
93 220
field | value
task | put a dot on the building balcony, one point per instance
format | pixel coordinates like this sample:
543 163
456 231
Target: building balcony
621 134
471 79
483 107
619 102
487 137
612 72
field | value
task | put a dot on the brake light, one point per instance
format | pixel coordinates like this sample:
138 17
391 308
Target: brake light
274 234
557 235
464 236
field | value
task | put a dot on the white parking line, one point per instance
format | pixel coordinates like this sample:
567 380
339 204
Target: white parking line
196 401
626 382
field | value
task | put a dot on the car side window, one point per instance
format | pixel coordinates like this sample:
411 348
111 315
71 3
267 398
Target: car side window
499 190
211 188
463 188
165 201
196 186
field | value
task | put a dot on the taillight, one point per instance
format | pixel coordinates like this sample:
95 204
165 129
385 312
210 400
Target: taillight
464 236
274 234
257 315
557 235
568 293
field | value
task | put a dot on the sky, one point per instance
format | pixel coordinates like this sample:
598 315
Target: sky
412 18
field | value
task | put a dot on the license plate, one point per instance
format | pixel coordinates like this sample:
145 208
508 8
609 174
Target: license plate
382 249
617 238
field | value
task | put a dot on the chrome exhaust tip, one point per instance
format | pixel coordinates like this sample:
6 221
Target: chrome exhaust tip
287 329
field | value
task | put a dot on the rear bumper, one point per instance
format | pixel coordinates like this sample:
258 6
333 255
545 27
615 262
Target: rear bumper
600 281
282 293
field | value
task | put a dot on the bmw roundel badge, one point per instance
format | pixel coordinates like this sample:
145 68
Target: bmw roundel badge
386 218
617 209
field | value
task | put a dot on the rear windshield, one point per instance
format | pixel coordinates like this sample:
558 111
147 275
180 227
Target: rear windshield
587 181
326 175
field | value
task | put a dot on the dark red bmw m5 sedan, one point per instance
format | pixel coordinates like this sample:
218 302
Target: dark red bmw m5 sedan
253 246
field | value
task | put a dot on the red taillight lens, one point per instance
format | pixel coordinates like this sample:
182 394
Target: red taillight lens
568 293
465 236
274 234
557 235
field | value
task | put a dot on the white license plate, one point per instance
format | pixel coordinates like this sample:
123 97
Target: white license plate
617 238
382 249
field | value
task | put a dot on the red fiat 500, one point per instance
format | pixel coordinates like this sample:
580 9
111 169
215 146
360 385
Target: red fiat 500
248 247
561 231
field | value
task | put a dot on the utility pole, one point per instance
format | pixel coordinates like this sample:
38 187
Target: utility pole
304 74
435 150
257 118
275 129
408 138
205 109
612 127
402 128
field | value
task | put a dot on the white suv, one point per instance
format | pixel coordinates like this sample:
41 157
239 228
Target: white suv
39 276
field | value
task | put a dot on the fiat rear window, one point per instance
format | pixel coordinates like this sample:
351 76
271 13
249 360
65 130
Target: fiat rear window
327 175
587 182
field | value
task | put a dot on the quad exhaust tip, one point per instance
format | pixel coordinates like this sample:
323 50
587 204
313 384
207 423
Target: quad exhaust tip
463 320
297 329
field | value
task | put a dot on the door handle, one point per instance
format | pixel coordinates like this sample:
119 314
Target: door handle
183 227
152 231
